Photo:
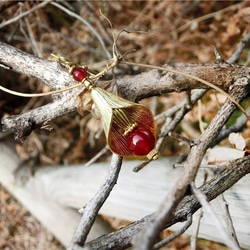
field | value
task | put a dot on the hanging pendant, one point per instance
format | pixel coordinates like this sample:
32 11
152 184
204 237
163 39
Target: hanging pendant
128 126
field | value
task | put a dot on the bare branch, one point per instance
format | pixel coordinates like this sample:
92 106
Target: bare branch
180 110
35 46
97 156
91 210
175 234
146 237
134 88
155 82
177 206
196 230
207 207
237 127
236 56
48 72
86 23
228 218
232 173
15 19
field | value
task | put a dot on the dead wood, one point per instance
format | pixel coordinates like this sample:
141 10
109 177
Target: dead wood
146 237
134 88
225 179
231 78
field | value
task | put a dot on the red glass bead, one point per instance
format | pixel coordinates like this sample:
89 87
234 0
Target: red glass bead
140 141
79 74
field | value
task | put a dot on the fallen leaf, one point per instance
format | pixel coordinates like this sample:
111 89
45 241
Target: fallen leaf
237 141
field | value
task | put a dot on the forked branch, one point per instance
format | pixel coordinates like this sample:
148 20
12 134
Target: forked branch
135 88
231 78
225 179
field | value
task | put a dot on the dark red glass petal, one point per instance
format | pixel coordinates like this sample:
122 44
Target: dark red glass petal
79 74
140 141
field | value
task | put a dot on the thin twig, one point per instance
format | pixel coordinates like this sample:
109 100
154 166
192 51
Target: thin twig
183 111
175 234
241 46
146 237
232 173
15 19
73 41
237 127
209 166
181 138
207 208
196 230
189 103
171 111
171 124
219 57
36 50
228 219
99 23
97 156
197 224
87 24
90 211
205 17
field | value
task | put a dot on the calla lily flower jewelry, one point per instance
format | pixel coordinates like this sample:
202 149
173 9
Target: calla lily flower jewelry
128 126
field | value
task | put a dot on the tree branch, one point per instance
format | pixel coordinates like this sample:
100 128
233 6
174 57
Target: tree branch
146 237
218 224
91 210
224 180
134 88
175 234
14 19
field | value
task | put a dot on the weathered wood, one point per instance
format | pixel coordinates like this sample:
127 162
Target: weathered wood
236 83
60 220
134 196
151 83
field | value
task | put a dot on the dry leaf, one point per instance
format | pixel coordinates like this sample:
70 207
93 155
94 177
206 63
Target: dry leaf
94 125
85 102
237 141
219 155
